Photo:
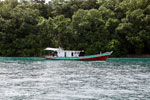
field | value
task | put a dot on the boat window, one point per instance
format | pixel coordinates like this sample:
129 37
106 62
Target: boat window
72 54
65 54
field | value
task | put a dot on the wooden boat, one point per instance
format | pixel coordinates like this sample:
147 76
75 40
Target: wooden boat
60 54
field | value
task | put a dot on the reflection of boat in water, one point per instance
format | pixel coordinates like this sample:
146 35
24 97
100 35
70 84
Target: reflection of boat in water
60 54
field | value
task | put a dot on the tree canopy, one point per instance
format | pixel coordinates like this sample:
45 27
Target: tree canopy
122 26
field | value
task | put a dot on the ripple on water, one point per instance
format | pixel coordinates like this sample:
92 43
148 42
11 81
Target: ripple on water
74 80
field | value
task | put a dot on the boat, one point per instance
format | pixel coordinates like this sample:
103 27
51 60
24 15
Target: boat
60 54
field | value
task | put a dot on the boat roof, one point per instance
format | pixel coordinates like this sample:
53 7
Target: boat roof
58 49
52 49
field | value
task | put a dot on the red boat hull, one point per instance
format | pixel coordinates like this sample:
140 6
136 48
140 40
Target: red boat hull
103 58
98 57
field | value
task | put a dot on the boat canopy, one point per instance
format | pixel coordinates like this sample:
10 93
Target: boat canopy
58 49
59 52
52 49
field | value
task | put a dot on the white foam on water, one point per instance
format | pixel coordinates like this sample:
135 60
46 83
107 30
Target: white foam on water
70 80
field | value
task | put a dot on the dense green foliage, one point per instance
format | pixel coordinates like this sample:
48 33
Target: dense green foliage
122 26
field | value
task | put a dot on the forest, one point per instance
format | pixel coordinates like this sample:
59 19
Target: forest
122 26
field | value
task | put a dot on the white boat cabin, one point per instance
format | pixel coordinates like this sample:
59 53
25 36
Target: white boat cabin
59 52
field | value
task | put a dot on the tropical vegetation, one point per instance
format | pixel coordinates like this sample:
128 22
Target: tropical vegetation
122 26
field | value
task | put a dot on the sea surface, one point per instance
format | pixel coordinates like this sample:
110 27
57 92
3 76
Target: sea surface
39 79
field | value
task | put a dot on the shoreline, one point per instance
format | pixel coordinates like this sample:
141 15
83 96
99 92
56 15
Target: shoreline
138 56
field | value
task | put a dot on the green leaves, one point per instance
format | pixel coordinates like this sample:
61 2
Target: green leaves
90 25
124 28
114 45
136 16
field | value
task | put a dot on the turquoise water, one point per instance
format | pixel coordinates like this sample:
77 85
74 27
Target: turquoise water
39 79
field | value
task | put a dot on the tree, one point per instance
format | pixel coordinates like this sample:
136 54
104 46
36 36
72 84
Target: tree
114 45
89 25
60 30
